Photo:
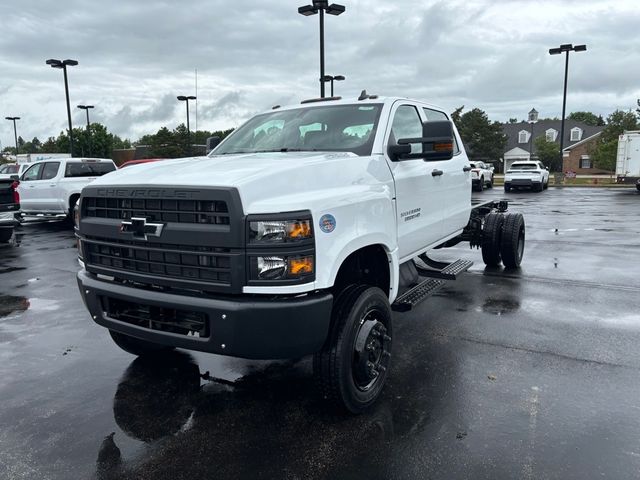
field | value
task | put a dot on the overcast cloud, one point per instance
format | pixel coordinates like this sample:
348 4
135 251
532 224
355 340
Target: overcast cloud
135 57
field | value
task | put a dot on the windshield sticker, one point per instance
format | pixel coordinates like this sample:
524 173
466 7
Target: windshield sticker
327 223
410 214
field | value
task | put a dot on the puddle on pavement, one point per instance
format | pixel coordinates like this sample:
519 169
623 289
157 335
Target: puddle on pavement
497 306
10 304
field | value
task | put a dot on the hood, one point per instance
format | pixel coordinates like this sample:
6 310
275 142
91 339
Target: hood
259 177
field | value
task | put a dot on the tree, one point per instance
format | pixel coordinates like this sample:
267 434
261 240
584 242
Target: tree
587 118
548 153
513 120
605 150
483 139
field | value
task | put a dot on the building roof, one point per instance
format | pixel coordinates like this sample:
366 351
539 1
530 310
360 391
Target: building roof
540 128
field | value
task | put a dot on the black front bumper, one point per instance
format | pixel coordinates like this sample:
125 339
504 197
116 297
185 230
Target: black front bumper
237 326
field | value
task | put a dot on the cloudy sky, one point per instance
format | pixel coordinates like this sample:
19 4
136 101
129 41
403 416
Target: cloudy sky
136 56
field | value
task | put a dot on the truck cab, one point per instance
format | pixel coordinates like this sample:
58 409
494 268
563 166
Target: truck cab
295 236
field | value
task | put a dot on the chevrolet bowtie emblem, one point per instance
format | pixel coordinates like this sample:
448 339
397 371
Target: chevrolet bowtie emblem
139 228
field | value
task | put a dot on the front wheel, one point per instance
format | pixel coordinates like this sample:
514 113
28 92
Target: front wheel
512 242
351 369
490 183
481 184
136 346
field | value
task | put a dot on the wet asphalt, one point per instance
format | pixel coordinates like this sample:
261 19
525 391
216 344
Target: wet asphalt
528 374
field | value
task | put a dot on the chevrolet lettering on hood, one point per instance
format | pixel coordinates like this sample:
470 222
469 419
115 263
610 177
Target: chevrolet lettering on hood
139 228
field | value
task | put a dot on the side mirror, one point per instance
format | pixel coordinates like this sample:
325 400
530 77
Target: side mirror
546 168
436 140
212 142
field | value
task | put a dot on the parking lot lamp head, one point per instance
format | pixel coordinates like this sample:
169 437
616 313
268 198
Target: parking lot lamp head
55 63
15 132
565 48
321 6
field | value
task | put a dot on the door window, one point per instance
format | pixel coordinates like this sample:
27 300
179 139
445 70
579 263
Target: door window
50 170
33 173
407 124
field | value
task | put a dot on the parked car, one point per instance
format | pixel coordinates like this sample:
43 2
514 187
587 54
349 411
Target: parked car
530 174
9 206
481 175
52 187
8 170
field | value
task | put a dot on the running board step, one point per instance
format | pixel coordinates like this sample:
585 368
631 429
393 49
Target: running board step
449 272
417 294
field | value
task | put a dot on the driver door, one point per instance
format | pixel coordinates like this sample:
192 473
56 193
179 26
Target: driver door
419 206
29 188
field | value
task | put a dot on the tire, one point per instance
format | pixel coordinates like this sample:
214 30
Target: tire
5 234
638 187
546 184
490 183
512 242
537 188
136 346
491 239
351 369
481 184
507 188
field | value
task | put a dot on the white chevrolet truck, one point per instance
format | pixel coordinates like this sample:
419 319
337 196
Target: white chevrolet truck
53 186
298 235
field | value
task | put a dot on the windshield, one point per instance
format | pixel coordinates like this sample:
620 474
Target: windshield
7 169
336 128
523 166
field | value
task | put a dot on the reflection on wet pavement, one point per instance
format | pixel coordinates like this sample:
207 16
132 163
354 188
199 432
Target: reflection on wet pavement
10 304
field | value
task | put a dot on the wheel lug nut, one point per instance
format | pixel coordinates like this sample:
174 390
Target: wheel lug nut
386 338
382 368
386 354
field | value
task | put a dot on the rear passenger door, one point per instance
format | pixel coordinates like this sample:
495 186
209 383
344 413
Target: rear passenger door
49 187
455 183
419 205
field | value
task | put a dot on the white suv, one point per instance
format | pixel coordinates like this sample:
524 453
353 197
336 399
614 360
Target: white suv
481 176
533 175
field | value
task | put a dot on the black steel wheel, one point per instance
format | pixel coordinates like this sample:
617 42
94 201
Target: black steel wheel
491 239
136 346
351 370
512 243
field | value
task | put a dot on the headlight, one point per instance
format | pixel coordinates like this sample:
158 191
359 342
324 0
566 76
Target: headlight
280 267
76 215
280 231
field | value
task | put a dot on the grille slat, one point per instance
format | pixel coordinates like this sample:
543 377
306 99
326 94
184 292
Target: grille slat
213 212
201 266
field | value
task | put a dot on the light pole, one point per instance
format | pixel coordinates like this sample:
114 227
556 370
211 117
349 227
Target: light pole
63 65
86 108
533 118
566 47
321 6
15 132
182 98
331 78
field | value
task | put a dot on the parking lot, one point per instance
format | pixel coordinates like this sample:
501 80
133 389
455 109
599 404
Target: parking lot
526 374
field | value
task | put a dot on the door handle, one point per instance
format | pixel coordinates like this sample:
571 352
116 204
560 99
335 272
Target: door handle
52 184
32 186
466 168
436 173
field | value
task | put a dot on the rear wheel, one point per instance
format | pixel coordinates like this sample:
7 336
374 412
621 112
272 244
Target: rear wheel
481 184
490 183
351 369
512 242
507 188
136 346
491 239
537 187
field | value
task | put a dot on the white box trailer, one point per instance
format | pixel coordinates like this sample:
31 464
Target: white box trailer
36 157
628 159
